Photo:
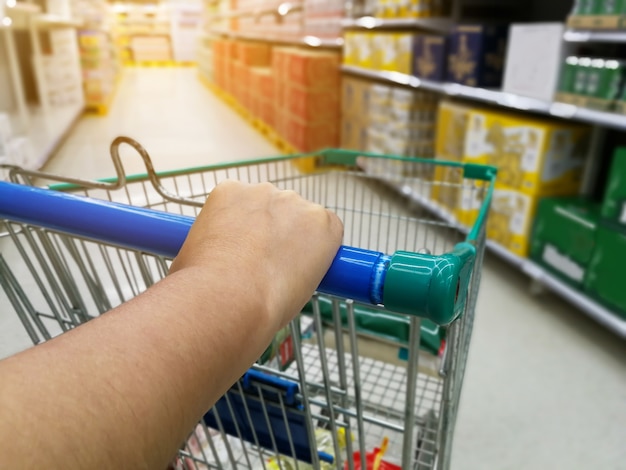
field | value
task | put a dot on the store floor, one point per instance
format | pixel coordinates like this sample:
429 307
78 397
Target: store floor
545 386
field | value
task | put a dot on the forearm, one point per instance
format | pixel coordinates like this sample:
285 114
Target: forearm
147 370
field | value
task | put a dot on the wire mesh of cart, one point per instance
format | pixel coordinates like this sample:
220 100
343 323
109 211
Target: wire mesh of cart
369 374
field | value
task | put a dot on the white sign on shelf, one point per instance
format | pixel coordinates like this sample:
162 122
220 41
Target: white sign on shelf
534 57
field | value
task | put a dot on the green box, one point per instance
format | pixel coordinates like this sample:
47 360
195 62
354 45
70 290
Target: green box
605 78
614 203
581 77
564 236
609 7
568 74
605 275
586 7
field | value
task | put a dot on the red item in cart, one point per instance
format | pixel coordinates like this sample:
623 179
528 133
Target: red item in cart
370 458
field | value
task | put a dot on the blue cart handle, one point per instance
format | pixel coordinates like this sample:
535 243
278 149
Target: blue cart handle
425 285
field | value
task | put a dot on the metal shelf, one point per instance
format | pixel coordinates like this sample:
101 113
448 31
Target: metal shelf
575 35
310 41
54 22
369 22
498 98
590 307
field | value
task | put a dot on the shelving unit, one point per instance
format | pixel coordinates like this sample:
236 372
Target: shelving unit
48 129
582 36
310 41
587 305
495 97
426 24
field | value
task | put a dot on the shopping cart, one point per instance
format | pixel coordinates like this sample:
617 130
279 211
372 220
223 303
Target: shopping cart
350 383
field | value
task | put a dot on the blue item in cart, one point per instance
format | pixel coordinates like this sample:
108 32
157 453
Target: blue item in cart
267 413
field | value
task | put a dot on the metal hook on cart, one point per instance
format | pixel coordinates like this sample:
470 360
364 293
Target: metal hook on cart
120 175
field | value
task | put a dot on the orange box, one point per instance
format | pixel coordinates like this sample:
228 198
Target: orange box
314 69
262 81
255 54
230 48
266 111
281 60
313 106
307 137
266 83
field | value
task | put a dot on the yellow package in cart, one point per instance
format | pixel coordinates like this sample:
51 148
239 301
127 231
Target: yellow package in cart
536 156
511 218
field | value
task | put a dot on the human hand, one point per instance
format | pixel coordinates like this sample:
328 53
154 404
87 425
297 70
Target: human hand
272 244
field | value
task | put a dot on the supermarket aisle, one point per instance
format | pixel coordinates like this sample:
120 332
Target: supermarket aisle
545 387
172 115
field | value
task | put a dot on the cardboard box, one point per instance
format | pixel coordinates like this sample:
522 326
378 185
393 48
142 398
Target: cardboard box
266 111
313 105
355 96
354 134
254 54
307 137
510 219
534 54
605 279
476 55
536 156
313 69
451 130
564 236
430 57
614 203
261 82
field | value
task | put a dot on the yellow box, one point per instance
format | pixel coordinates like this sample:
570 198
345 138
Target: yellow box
536 156
350 48
404 54
469 198
451 130
511 218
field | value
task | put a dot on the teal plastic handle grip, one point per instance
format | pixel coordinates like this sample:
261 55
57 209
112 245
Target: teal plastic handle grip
433 287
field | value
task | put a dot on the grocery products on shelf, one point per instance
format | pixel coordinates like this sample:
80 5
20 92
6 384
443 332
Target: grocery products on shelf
471 55
142 33
405 8
614 204
390 120
535 157
430 57
293 90
603 280
476 55
61 68
564 237
592 83
272 19
100 68
598 14
377 50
